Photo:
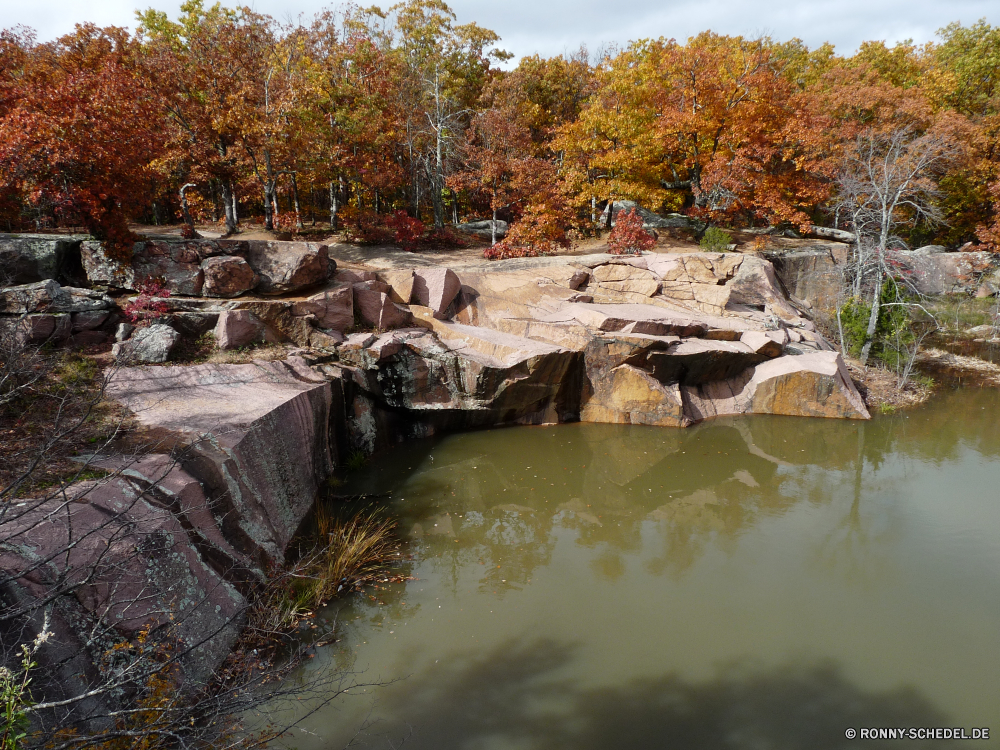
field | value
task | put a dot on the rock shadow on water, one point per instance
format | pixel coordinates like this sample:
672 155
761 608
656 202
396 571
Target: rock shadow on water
516 697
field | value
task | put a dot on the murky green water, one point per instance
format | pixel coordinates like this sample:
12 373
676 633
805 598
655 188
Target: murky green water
762 582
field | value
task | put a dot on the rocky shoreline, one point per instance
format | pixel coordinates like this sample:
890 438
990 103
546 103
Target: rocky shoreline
383 347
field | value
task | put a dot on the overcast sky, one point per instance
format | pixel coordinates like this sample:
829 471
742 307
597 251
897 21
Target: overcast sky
552 27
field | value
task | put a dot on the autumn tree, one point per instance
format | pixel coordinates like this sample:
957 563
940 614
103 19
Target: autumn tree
497 162
353 114
447 67
711 124
81 125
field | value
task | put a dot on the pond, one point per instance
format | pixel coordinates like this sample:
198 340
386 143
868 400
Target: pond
760 582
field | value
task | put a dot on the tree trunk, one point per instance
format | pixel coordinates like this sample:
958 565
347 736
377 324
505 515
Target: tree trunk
295 202
873 318
184 204
229 204
236 215
454 210
268 206
593 210
333 206
215 202
493 229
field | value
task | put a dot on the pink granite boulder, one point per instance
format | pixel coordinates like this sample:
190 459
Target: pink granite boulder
375 308
333 308
227 276
435 288
238 328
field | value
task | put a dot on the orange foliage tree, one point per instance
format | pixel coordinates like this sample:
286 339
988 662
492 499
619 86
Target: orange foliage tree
80 129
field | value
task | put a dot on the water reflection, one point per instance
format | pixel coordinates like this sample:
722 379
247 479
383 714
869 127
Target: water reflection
753 582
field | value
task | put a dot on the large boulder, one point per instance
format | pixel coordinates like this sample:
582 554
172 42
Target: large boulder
269 452
374 307
287 266
48 296
237 328
177 264
332 308
25 258
400 285
227 276
809 385
484 228
650 220
435 288
152 344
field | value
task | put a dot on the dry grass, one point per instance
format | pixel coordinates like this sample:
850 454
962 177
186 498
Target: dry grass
349 554
879 387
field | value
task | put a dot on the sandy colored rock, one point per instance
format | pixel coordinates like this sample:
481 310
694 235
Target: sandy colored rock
633 396
400 285
762 343
435 288
810 385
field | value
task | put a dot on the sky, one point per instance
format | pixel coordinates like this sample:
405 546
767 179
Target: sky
553 27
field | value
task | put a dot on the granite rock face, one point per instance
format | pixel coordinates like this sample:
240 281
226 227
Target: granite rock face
287 266
227 276
268 451
237 328
175 542
27 258
152 344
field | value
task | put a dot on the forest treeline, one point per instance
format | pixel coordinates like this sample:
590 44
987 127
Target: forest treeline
355 118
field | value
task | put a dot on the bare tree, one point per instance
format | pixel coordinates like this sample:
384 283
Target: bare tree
887 182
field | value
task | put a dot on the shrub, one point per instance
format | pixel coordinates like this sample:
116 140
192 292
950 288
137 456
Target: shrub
365 227
149 304
540 231
716 240
892 324
408 230
446 237
628 237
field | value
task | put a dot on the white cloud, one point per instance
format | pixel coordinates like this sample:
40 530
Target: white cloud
558 26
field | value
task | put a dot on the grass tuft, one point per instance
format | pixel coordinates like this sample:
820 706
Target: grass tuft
349 554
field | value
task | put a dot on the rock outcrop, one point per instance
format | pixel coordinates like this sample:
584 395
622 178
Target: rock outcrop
26 258
212 268
151 344
173 542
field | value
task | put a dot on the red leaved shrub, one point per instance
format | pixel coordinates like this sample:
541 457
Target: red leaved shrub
148 304
540 231
408 230
628 237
